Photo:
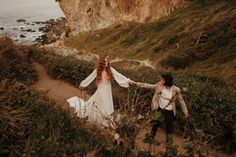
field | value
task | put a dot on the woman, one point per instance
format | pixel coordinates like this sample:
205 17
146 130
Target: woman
99 107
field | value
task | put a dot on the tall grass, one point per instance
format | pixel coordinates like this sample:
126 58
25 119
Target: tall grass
210 101
201 34
33 125
14 63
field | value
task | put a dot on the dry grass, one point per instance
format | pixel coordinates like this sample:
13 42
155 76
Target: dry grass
209 99
201 35
33 125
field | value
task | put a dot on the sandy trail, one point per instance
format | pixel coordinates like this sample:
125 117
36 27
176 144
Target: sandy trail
160 137
57 90
60 49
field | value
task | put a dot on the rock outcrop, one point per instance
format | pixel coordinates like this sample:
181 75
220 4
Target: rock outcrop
87 15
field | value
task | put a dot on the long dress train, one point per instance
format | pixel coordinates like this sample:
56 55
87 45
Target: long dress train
99 107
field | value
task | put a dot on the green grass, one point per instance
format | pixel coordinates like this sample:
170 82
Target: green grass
33 125
36 126
14 63
202 31
210 101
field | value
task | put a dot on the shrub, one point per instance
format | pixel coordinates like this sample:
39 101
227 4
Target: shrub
14 63
176 62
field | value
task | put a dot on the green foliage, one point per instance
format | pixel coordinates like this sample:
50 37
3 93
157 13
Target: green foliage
210 102
32 125
214 38
202 35
176 62
126 129
14 63
130 40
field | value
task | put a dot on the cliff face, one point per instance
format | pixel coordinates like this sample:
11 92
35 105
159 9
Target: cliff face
86 15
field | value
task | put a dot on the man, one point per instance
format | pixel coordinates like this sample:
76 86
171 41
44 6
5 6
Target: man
164 101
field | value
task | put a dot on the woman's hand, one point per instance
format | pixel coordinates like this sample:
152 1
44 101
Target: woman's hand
132 83
80 87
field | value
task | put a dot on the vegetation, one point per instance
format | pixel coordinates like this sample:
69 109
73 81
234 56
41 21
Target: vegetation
203 32
14 63
199 37
33 125
210 101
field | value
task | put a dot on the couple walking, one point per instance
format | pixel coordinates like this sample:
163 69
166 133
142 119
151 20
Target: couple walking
99 107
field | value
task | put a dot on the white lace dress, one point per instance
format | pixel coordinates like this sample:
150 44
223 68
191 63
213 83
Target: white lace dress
99 107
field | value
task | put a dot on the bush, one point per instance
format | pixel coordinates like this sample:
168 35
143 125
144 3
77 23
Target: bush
14 63
176 62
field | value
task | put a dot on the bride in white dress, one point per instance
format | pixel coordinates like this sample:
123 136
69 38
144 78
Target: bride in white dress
99 107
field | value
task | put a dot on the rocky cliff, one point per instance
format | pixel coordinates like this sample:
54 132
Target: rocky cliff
86 15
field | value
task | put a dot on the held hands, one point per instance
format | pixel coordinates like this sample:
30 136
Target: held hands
133 83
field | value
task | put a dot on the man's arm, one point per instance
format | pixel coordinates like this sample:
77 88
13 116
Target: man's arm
147 85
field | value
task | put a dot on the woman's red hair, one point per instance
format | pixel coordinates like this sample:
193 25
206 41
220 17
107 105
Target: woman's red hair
102 66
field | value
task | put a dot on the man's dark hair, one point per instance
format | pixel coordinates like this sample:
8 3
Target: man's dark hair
168 79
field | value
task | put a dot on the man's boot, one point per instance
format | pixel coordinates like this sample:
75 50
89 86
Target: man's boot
148 138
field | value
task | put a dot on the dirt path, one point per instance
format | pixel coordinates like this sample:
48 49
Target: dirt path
60 91
59 48
180 142
160 137
57 90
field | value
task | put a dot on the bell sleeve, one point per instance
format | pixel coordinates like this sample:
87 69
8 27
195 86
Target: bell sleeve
89 79
120 79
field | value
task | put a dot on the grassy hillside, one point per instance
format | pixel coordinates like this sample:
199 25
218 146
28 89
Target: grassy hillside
33 125
210 101
200 37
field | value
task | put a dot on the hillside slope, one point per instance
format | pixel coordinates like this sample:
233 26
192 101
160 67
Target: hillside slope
86 15
200 38
33 125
